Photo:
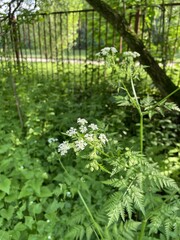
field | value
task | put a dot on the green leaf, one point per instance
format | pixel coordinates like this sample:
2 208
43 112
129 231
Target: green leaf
53 206
5 184
45 192
138 198
7 213
25 191
20 227
19 213
5 148
36 208
29 221
4 235
2 194
11 197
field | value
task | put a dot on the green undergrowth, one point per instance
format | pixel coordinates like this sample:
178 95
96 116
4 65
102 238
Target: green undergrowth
112 191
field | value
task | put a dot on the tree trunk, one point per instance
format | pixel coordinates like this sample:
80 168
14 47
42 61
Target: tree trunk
157 74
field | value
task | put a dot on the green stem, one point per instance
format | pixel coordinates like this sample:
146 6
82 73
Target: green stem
141 236
91 216
141 116
141 132
161 101
96 226
169 95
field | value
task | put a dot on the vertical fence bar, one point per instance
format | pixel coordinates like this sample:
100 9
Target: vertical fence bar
3 50
62 52
86 49
29 42
143 22
45 46
67 50
99 48
56 46
73 50
20 47
40 48
11 43
163 60
24 41
35 49
92 48
79 47
15 42
50 45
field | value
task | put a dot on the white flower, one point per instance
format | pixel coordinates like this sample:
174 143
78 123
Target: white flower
105 51
83 129
82 121
131 54
72 131
136 54
103 138
51 140
98 54
68 194
113 50
63 148
80 144
93 126
89 137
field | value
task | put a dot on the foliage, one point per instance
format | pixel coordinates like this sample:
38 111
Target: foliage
48 196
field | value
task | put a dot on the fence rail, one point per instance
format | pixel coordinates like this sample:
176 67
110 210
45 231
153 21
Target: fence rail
66 42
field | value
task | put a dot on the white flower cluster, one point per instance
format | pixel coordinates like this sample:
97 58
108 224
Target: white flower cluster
84 135
80 145
51 140
63 148
72 131
106 51
131 54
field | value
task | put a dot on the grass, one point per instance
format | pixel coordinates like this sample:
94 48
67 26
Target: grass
65 54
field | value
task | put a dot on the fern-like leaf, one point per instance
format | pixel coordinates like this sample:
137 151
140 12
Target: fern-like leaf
114 182
128 204
168 225
76 232
115 208
128 229
89 232
138 197
162 181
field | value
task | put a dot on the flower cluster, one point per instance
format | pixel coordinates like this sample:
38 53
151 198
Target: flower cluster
86 134
52 140
131 54
63 148
106 51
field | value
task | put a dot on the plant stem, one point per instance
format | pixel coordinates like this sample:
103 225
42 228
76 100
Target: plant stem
91 216
96 226
142 230
162 100
137 105
141 131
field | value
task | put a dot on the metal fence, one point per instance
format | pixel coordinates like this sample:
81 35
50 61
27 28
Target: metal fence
63 45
